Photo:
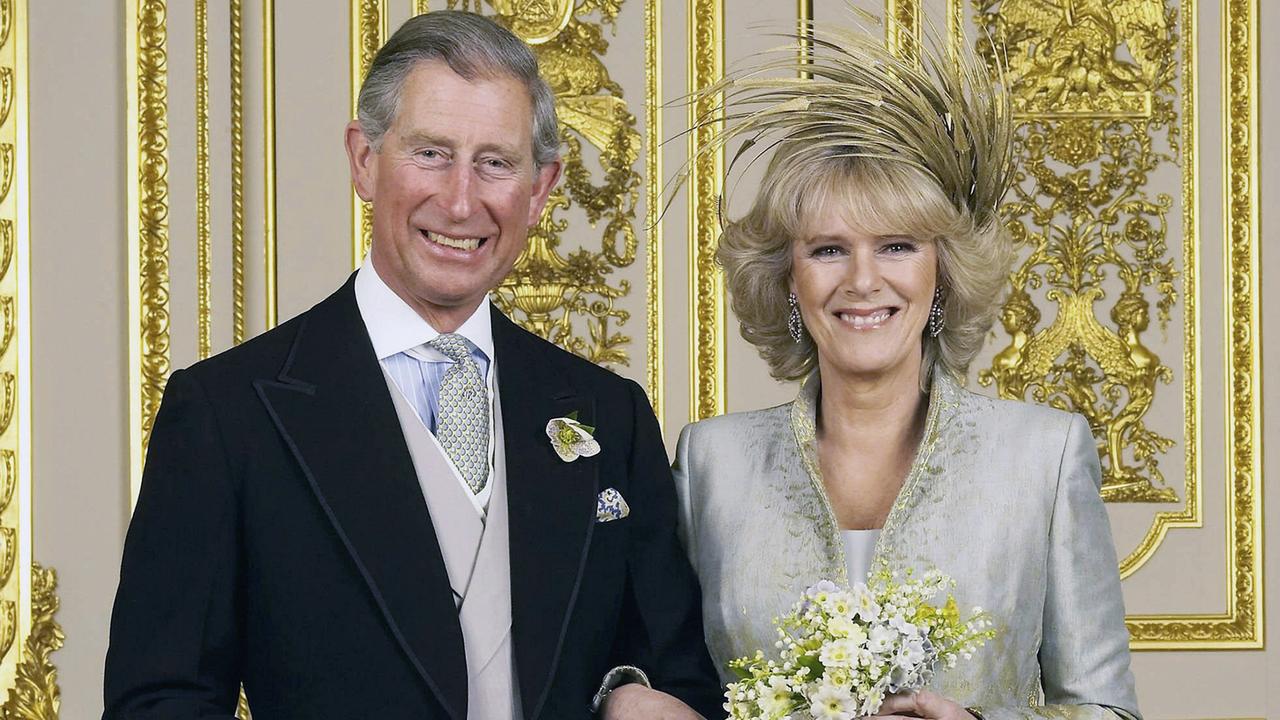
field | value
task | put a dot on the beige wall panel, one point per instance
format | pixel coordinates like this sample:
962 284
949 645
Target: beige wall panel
313 183
79 347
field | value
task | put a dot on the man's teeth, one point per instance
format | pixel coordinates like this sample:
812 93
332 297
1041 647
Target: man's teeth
457 243
866 321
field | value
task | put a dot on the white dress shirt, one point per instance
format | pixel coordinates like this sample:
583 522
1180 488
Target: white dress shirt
399 335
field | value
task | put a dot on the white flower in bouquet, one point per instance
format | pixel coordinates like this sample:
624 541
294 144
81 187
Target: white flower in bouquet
842 651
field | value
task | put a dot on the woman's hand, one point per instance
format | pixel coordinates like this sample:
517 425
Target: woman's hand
922 704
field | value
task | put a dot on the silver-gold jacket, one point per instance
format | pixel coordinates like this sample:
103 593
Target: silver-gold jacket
1002 496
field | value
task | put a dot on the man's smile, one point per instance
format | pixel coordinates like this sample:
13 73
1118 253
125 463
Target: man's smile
457 243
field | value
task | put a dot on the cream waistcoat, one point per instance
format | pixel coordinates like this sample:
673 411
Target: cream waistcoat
476 555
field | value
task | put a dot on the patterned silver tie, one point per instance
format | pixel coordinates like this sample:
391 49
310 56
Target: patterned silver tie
463 425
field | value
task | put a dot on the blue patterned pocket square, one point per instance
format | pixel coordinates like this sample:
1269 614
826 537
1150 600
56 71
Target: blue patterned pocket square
611 506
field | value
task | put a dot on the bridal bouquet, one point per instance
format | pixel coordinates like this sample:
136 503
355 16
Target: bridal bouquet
843 651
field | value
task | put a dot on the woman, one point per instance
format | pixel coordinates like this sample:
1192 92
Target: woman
870 266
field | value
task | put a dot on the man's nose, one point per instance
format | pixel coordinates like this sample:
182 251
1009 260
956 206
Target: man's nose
457 197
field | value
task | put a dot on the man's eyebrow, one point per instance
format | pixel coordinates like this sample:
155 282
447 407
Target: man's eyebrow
418 137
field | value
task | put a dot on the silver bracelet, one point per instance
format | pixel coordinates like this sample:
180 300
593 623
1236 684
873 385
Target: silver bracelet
616 678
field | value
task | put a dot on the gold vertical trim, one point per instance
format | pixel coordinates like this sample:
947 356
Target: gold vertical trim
148 187
421 7
902 25
1241 626
269 158
653 203
237 175
804 24
707 369
368 32
204 233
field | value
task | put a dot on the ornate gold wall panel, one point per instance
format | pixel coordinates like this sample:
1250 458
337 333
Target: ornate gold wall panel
1105 95
706 283
148 221
28 632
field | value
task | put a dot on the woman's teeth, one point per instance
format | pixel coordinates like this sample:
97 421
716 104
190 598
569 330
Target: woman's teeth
456 243
866 322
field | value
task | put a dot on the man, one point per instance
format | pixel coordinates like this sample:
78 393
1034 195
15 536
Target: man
361 514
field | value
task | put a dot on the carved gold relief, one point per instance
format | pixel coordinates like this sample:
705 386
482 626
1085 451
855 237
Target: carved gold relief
706 283
548 290
1094 89
148 222
35 695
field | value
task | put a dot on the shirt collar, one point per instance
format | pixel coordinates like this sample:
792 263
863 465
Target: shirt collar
395 327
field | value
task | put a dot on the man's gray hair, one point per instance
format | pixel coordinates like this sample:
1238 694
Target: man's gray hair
472 46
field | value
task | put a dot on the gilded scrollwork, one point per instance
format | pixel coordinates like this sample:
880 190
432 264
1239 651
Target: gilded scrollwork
152 209
549 289
35 694
1093 87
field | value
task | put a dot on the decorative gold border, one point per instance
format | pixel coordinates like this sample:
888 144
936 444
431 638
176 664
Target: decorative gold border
237 175
34 694
707 369
146 79
653 203
269 160
204 232
368 32
1190 515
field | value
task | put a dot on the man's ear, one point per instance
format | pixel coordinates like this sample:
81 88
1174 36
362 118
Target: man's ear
547 177
360 155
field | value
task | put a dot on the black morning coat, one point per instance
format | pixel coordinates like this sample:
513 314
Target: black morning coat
281 540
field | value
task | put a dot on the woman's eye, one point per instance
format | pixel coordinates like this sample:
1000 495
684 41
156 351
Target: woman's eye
896 248
827 251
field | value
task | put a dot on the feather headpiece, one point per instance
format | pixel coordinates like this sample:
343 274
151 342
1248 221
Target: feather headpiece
938 110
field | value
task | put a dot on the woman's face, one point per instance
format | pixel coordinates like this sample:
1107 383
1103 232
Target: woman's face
865 299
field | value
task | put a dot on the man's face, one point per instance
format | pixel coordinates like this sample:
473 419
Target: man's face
453 187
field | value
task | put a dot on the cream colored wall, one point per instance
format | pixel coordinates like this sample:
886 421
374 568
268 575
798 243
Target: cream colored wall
78 235
79 353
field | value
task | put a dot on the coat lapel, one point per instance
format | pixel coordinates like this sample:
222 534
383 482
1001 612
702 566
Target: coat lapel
332 407
551 505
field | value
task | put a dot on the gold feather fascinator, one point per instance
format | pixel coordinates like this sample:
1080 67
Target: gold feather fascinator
940 110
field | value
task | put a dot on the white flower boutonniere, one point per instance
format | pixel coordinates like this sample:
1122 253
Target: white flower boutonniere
571 439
